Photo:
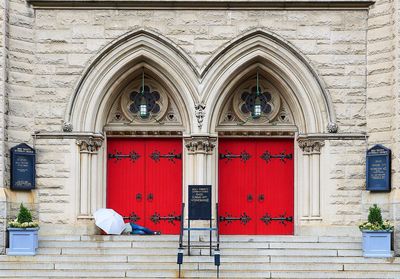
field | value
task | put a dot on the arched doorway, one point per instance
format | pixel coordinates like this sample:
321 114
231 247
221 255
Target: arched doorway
144 168
306 112
256 159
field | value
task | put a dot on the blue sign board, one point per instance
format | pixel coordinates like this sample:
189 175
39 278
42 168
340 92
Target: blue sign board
23 159
199 202
378 169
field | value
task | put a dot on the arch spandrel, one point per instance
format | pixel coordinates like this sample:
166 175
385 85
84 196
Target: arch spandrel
94 95
310 102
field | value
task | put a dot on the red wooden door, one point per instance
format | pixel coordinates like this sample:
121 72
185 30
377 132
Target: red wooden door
145 179
163 185
125 177
275 186
237 186
256 186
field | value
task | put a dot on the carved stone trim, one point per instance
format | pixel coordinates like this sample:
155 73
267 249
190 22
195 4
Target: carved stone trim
67 126
89 145
332 127
310 146
200 114
200 144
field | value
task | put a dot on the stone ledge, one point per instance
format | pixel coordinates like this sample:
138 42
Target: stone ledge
338 136
67 135
194 4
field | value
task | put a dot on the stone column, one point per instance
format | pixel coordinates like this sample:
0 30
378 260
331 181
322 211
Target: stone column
310 193
88 173
200 164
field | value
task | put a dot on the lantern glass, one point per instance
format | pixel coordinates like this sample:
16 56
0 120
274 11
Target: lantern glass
143 109
257 108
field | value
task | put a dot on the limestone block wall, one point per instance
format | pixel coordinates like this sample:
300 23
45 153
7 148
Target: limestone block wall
16 97
383 99
3 53
334 42
48 51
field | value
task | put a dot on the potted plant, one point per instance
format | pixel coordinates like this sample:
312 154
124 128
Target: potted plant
377 234
23 234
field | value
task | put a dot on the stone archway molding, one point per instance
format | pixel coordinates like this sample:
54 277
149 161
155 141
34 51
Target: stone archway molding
274 55
93 91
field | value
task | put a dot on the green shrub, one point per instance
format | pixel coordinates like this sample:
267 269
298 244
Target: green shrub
375 215
24 215
375 221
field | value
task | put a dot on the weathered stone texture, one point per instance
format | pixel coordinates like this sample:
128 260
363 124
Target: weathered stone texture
355 53
333 42
55 187
345 166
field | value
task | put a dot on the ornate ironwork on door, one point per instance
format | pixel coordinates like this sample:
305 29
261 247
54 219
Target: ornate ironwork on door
266 156
282 219
171 156
243 156
243 218
132 218
133 156
170 218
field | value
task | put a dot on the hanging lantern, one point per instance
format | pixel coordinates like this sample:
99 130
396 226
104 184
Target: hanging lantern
257 108
256 113
143 112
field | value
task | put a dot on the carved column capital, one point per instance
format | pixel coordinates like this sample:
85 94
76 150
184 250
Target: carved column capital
200 144
310 145
90 145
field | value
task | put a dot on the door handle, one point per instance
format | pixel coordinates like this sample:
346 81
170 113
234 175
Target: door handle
261 198
150 197
138 196
249 197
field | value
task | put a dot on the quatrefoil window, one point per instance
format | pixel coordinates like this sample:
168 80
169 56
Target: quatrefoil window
151 97
249 99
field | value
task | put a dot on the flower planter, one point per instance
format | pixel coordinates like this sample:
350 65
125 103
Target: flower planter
377 244
23 242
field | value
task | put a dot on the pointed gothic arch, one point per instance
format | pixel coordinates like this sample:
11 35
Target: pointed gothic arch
280 60
89 103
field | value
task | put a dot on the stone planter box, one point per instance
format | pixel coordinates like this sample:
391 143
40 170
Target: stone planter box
23 242
377 244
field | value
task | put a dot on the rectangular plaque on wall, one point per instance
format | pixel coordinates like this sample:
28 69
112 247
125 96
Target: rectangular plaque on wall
199 202
378 169
23 167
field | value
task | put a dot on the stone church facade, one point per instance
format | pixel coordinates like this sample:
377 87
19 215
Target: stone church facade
68 68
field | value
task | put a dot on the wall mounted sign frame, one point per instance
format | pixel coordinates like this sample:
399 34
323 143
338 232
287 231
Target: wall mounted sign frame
378 167
23 167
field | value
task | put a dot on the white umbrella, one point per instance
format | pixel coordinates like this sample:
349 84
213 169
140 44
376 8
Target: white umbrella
109 221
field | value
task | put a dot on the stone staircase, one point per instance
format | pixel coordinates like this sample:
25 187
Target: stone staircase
241 257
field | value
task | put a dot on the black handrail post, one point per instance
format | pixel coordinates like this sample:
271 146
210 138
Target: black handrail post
189 236
217 254
216 209
210 236
180 249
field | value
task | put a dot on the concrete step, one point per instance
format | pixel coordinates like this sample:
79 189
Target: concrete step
104 256
339 275
174 244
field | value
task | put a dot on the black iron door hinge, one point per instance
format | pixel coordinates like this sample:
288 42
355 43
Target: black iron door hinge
171 156
170 218
243 156
132 218
282 219
133 156
266 156
243 218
